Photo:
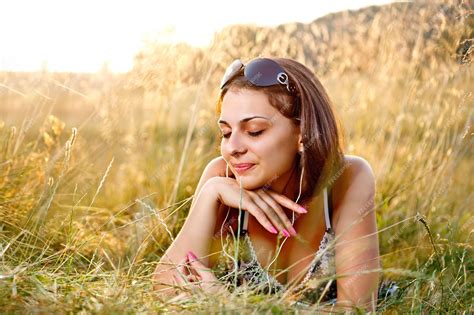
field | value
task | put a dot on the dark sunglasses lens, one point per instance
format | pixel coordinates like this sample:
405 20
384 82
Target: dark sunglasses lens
263 72
231 70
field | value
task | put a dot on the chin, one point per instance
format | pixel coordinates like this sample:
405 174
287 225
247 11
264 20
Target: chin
251 183
247 183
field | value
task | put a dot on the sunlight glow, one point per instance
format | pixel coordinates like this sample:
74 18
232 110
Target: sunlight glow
82 36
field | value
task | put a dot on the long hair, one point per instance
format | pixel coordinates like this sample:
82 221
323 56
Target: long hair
312 109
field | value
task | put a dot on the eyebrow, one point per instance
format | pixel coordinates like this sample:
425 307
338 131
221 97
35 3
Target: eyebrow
243 120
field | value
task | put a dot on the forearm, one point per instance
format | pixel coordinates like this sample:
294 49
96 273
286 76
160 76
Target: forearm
198 229
195 235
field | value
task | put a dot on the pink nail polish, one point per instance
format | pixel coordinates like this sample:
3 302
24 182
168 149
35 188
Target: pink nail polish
303 210
191 254
285 232
293 231
273 230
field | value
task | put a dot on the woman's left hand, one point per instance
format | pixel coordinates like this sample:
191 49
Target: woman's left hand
194 276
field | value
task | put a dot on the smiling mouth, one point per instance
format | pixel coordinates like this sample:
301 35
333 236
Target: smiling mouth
244 168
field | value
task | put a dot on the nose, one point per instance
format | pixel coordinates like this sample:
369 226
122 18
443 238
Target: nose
235 145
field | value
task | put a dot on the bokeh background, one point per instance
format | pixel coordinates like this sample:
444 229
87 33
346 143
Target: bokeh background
97 169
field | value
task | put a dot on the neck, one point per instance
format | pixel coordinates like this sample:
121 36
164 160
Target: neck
288 183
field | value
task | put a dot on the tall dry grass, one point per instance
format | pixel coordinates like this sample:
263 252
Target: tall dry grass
97 173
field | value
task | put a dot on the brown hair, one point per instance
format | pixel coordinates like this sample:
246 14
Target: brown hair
323 154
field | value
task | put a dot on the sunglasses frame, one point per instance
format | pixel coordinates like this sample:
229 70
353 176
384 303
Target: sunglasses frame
236 67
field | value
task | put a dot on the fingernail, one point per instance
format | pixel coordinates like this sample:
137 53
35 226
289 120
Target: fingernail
293 231
273 230
285 232
303 210
191 254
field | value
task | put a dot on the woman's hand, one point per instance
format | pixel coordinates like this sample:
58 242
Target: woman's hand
264 204
192 275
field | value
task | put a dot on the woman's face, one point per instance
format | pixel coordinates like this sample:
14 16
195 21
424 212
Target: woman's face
255 132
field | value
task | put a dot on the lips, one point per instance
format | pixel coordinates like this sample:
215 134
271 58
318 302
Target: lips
242 167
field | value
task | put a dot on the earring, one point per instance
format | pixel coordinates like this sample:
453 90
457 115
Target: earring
300 150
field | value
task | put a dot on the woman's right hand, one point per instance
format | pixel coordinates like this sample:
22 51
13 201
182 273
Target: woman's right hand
264 204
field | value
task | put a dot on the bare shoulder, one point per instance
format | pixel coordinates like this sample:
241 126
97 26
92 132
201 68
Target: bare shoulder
354 168
354 187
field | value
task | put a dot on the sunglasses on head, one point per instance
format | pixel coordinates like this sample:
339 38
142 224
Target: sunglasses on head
260 72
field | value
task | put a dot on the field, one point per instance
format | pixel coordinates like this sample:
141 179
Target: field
97 171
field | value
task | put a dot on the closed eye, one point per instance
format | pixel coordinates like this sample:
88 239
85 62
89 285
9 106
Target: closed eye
256 133
252 134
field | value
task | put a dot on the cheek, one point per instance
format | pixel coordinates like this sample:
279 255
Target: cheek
224 151
277 157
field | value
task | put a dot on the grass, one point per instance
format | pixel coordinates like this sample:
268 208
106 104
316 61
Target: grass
88 204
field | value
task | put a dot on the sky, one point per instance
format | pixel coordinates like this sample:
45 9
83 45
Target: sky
81 36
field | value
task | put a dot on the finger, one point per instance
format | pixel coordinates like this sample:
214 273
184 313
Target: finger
181 276
260 215
190 275
286 202
180 281
288 225
189 268
187 283
183 269
246 203
269 211
278 210
208 281
205 273
193 278
177 280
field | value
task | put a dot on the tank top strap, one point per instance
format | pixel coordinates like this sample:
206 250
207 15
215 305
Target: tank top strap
328 210
244 223
328 207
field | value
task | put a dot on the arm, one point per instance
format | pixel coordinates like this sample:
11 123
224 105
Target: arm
357 247
200 225
196 233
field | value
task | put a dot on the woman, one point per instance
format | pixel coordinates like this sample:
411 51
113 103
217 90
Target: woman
301 209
